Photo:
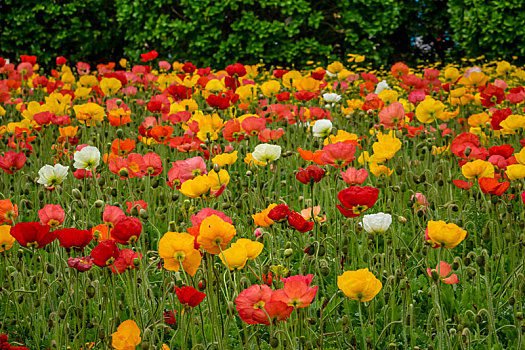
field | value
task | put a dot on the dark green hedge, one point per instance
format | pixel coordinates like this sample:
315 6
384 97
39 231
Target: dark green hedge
286 32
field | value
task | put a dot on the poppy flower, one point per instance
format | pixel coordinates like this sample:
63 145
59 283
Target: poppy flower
266 153
312 174
72 238
153 164
6 239
125 261
11 161
492 95
80 264
253 248
178 249
360 285
215 234
477 169
169 317
122 147
355 200
255 305
235 257
338 154
267 135
262 219
279 213
253 125
377 223
444 270
112 215
8 211
127 336
105 253
352 176
127 230
190 168
298 222
492 186
296 291
149 56
232 131
32 234
441 234
189 296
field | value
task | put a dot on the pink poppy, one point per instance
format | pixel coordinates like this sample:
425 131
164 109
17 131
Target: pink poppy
444 270
352 176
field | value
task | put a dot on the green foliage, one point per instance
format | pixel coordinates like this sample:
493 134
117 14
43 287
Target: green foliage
284 32
491 28
79 30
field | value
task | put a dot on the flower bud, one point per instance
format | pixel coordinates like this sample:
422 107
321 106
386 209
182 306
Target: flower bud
480 260
288 252
99 203
143 214
76 194
90 291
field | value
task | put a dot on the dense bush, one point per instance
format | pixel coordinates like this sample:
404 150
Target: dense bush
491 28
80 30
281 32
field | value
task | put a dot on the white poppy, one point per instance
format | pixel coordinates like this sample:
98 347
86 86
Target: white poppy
377 223
332 97
265 153
50 176
87 158
381 86
322 128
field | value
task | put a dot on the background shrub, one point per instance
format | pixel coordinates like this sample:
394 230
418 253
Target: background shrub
281 32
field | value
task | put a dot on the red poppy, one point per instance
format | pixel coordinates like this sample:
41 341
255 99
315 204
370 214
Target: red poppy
189 296
492 95
267 135
105 253
149 56
127 230
179 92
232 131
72 238
338 154
189 68
32 234
169 317
30 59
125 261
304 95
298 222
312 174
60 61
318 74
222 100
499 116
253 125
11 161
505 151
236 69
5 345
493 186
283 96
112 215
296 291
255 304
465 185
279 212
80 264
355 200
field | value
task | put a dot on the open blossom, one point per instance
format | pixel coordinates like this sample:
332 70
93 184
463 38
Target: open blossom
256 305
377 223
444 270
296 291
52 215
360 285
87 158
352 176
322 128
51 176
266 153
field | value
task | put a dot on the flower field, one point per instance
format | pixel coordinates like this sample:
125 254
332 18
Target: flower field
167 206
